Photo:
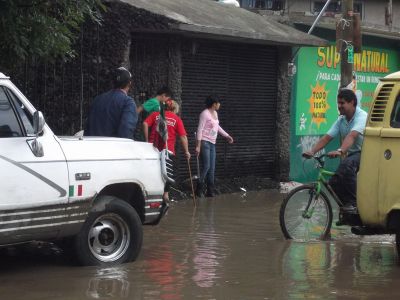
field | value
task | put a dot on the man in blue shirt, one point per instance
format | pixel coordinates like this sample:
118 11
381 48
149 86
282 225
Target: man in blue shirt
350 127
114 113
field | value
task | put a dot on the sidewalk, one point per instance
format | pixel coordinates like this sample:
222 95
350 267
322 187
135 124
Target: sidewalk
226 186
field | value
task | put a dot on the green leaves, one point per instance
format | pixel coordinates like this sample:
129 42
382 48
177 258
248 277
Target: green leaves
42 29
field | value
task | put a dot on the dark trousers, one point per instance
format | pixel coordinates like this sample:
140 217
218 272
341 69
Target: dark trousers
344 182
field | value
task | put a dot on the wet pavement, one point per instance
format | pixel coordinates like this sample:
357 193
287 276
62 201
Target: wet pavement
230 247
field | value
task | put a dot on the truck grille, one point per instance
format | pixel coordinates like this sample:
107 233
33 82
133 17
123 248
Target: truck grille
167 165
378 111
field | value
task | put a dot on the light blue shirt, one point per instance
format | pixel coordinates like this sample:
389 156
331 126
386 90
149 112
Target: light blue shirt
342 128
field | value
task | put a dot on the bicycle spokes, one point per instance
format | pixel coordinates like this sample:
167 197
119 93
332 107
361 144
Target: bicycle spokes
306 214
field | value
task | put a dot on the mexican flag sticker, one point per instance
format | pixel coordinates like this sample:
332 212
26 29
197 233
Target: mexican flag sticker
78 192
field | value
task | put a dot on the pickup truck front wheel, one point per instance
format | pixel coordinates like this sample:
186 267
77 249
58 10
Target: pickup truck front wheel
112 234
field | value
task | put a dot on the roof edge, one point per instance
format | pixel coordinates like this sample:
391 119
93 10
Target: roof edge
254 38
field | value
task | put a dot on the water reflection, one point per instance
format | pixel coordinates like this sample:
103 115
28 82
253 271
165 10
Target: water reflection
165 271
109 283
228 248
337 269
306 265
208 250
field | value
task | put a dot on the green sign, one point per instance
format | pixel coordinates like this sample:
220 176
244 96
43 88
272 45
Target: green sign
318 80
314 107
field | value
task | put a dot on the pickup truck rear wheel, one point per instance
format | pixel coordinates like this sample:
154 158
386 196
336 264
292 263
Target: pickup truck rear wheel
112 234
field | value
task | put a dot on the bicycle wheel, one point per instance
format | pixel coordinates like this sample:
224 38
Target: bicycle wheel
305 216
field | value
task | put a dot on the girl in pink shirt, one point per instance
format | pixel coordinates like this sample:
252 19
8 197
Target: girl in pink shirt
207 132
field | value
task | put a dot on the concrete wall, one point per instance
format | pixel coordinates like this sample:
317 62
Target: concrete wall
396 14
374 12
299 5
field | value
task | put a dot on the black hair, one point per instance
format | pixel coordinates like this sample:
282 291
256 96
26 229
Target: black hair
122 77
347 95
211 99
164 90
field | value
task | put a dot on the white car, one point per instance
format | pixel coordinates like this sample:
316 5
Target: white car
93 192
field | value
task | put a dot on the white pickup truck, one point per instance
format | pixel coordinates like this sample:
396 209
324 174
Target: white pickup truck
93 192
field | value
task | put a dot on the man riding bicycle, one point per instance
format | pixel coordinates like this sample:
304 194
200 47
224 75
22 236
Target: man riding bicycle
350 127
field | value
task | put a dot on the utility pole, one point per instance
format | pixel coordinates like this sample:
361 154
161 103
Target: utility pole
347 46
389 15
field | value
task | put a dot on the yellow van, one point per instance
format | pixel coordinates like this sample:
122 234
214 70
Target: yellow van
378 188
306 212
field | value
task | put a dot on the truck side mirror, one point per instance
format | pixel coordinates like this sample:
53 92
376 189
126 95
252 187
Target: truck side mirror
38 122
38 125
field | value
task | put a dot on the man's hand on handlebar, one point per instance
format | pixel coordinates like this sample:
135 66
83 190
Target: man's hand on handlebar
308 154
333 154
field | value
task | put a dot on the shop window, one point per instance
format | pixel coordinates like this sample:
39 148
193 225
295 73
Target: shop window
335 7
262 4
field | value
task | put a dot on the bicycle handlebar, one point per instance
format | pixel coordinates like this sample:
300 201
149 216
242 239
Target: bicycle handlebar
318 158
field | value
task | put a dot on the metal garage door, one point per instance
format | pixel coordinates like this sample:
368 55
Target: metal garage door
245 77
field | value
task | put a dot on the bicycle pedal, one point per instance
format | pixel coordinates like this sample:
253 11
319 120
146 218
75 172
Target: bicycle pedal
340 223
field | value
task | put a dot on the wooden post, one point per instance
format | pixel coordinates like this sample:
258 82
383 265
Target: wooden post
390 15
346 68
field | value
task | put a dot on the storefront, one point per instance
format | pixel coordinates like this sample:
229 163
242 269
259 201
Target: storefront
315 87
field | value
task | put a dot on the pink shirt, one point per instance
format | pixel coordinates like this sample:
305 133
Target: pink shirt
209 128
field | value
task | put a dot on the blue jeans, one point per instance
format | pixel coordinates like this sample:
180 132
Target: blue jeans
344 182
208 159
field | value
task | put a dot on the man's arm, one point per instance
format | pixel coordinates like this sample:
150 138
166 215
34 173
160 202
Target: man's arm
318 146
202 122
128 120
184 142
146 131
139 109
346 144
149 122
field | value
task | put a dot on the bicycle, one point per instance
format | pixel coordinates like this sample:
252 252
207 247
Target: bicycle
306 212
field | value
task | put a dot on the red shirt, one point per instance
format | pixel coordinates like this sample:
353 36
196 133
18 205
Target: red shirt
175 128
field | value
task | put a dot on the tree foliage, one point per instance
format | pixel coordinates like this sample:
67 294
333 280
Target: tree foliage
44 29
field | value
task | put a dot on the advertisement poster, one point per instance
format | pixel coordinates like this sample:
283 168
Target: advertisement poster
315 88
318 80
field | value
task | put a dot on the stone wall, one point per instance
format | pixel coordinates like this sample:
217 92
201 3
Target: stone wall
283 115
64 90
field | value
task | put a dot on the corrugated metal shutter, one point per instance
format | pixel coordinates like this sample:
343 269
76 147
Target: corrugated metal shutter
245 77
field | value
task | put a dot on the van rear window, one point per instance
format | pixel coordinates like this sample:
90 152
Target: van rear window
395 116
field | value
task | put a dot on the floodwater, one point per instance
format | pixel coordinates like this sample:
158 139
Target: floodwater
229 247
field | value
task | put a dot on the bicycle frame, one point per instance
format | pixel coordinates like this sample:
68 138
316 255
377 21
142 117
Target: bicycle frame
322 180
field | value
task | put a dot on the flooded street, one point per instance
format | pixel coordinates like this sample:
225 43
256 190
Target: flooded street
230 247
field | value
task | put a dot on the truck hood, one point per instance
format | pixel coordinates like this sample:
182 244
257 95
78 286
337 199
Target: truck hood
105 148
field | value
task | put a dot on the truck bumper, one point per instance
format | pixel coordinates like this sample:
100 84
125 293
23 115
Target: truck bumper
155 209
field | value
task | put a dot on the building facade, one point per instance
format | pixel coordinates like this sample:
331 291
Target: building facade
197 48
381 13
317 76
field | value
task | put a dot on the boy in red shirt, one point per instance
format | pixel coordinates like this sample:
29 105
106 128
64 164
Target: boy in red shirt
175 128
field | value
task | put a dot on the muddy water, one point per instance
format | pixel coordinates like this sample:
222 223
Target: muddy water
230 247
